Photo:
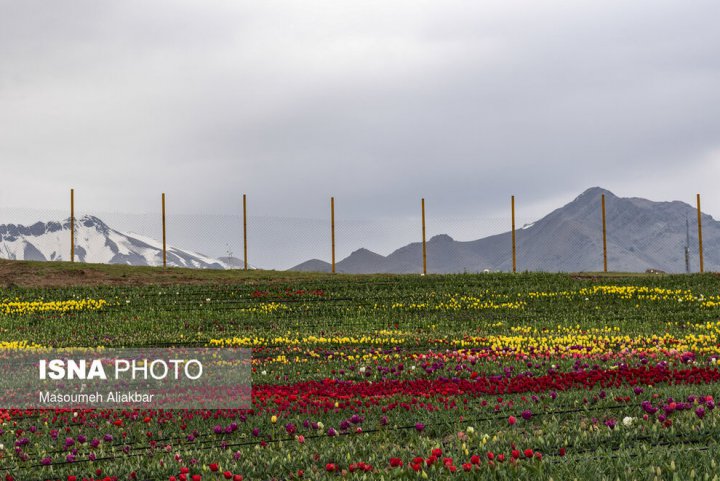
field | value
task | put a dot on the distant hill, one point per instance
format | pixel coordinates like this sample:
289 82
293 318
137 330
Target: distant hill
313 265
641 235
362 261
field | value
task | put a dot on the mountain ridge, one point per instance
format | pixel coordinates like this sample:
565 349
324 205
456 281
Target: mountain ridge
95 242
642 234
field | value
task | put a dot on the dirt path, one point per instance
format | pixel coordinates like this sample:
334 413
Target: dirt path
57 274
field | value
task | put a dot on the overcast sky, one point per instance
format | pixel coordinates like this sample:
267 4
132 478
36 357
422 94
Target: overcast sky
375 102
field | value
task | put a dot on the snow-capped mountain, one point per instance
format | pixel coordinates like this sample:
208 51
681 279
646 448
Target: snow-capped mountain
94 242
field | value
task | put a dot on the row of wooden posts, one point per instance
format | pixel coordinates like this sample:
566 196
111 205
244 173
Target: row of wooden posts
424 246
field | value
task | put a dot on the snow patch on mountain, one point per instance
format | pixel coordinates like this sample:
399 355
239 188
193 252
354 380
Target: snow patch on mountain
95 242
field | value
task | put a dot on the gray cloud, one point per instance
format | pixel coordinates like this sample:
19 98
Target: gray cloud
377 103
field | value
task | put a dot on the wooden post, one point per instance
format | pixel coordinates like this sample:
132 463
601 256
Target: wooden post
514 255
424 248
700 247
604 234
163 232
245 230
72 225
332 230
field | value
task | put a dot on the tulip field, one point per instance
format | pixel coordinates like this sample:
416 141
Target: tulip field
490 376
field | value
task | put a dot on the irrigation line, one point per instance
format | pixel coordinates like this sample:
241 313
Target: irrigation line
180 441
551 453
213 443
553 458
571 409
